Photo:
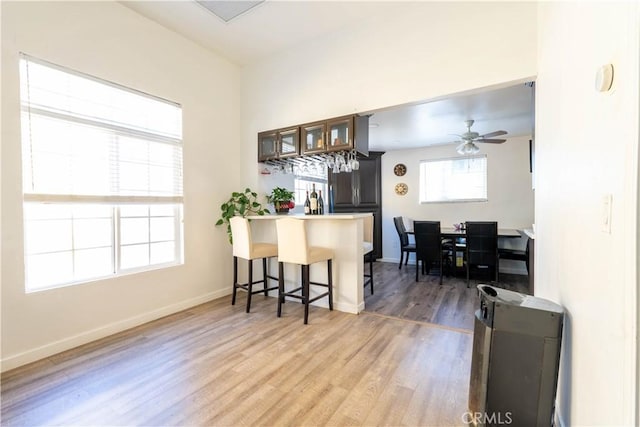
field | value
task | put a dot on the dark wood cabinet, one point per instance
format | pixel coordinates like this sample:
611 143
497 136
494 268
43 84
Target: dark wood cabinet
278 144
360 191
361 188
326 136
313 137
340 134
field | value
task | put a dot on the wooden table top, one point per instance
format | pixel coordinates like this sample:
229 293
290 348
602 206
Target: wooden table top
452 232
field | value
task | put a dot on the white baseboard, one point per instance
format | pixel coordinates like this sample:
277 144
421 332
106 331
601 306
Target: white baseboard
55 347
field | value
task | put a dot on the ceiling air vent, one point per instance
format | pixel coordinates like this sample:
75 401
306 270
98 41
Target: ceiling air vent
227 9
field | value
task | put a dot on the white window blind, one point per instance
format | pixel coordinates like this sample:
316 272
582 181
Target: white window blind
459 179
102 177
92 140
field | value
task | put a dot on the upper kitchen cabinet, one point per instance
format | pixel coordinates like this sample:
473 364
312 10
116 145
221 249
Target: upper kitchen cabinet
348 133
340 134
279 143
314 138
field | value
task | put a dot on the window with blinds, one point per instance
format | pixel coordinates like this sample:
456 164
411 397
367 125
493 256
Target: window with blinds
459 179
102 177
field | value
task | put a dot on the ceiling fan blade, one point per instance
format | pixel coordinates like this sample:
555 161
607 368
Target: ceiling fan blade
491 141
492 134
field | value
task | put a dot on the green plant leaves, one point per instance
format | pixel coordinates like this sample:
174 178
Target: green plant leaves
241 204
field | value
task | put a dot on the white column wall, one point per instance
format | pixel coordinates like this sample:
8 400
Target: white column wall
586 149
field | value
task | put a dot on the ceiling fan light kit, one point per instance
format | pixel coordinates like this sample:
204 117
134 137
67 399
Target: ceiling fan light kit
469 139
467 148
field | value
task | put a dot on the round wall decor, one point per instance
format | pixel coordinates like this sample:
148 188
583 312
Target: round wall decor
401 189
399 169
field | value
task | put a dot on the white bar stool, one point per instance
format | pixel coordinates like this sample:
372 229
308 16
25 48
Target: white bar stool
243 247
293 248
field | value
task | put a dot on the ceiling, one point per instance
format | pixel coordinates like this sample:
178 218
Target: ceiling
439 121
275 26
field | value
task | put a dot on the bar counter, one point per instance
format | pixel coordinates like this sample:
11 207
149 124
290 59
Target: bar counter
341 232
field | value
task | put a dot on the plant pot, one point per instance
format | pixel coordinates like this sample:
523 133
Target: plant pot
281 207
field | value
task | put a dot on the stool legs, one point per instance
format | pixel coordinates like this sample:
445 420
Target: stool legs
305 292
330 283
235 279
280 287
369 277
265 275
249 285
305 289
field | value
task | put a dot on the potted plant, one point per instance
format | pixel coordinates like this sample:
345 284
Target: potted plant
241 204
282 199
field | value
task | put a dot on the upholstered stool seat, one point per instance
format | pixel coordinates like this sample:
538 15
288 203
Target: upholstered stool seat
293 248
243 247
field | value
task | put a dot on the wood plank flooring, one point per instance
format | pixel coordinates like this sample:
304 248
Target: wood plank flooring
216 365
397 294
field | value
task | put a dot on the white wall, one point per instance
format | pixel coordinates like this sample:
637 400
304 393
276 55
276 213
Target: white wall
586 148
509 192
110 41
421 51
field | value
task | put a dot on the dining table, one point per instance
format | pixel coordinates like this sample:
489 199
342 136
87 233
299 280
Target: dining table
452 232
458 234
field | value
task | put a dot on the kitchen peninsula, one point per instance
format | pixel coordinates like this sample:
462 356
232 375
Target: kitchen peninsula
343 233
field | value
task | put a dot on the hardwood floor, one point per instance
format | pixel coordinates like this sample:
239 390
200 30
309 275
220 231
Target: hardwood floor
453 305
216 365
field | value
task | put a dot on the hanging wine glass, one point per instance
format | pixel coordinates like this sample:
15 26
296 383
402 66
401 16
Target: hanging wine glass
355 164
330 161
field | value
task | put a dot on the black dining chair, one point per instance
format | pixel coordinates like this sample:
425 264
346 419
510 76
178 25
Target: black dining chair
482 247
405 246
429 249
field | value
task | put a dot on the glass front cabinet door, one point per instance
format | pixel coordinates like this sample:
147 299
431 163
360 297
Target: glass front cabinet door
267 145
289 142
278 143
313 138
340 134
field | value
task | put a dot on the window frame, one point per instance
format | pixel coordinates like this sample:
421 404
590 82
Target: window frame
173 198
422 180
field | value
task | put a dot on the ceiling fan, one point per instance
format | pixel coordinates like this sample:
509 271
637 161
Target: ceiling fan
469 139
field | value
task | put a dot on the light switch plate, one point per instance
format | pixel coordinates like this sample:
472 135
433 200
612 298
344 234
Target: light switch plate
607 199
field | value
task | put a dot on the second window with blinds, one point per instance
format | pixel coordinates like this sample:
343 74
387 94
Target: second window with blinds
102 177
458 179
